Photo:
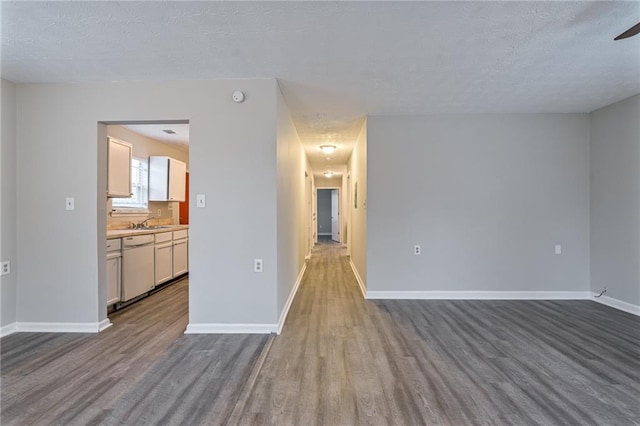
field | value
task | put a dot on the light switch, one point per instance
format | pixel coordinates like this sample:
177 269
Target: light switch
558 249
201 201
70 203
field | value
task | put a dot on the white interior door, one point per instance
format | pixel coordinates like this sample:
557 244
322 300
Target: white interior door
335 216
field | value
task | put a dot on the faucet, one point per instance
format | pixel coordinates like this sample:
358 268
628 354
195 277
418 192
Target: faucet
143 223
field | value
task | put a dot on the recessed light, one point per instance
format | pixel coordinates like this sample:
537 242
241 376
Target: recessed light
328 158
169 131
328 149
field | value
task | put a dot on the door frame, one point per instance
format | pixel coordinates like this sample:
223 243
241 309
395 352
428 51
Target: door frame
347 216
340 212
310 212
102 202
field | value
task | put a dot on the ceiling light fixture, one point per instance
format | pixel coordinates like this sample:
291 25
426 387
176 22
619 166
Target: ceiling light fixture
328 149
169 131
328 174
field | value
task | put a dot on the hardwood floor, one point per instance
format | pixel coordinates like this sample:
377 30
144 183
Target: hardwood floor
142 370
340 360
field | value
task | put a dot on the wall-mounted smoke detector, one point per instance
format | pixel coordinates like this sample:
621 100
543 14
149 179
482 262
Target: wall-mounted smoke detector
328 149
169 131
237 96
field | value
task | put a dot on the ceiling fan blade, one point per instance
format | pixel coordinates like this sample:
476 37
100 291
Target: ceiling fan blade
630 32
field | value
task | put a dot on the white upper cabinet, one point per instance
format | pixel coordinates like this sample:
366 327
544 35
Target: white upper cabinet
167 179
119 169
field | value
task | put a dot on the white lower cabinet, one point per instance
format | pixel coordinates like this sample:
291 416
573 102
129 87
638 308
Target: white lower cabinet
164 257
114 271
180 256
129 276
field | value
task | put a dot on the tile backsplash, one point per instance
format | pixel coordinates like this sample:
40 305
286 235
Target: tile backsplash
169 215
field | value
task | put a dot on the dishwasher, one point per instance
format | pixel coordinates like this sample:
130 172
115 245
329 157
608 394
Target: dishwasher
138 265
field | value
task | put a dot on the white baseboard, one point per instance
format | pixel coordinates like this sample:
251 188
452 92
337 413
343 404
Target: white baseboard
231 328
292 295
8 329
104 324
59 327
55 327
617 304
359 279
480 295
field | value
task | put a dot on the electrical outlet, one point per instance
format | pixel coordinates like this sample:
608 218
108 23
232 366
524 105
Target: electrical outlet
416 250
257 265
159 212
558 249
6 268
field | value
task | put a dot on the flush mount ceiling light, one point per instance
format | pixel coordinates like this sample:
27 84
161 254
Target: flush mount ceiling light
328 174
169 131
328 149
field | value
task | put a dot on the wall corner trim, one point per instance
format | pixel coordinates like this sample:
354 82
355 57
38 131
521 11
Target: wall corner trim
217 328
359 279
292 295
8 329
104 324
617 304
480 295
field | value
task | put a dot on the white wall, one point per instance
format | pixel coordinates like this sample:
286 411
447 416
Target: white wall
233 161
615 200
357 234
486 196
8 212
323 182
292 221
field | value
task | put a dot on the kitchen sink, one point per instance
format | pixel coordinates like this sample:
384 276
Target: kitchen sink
151 228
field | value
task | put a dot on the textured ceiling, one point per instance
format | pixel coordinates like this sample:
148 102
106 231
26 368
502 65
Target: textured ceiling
339 61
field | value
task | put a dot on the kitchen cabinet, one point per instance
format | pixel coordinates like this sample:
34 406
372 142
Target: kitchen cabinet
119 168
166 179
164 257
180 252
114 270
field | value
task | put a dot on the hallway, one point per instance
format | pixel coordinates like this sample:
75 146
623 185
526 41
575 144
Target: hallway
340 360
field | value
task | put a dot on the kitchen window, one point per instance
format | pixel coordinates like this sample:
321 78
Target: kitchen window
139 187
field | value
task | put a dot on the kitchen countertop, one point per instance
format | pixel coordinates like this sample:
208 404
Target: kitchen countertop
119 233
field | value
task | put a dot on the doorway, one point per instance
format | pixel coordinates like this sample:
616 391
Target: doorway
328 209
146 223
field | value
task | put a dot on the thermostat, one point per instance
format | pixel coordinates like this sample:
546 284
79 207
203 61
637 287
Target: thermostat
238 96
